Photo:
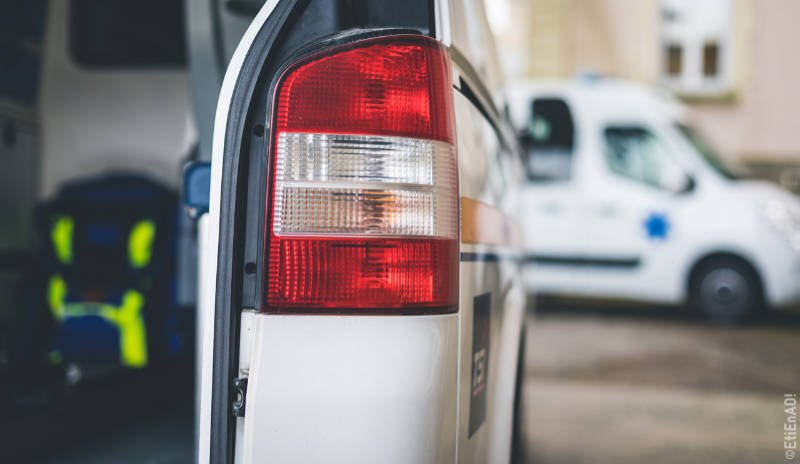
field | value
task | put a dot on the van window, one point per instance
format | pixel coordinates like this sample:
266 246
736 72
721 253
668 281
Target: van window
549 140
636 154
123 34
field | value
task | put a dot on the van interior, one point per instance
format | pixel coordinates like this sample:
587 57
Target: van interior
97 288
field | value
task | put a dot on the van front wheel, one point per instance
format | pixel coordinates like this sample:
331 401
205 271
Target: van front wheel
726 290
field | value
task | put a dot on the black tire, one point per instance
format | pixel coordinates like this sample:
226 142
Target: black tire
726 290
519 453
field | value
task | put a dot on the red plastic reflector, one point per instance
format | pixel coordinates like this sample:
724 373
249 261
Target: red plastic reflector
389 88
372 273
363 200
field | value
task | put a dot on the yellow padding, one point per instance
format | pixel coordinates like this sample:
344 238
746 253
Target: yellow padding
61 235
140 243
56 294
127 318
132 333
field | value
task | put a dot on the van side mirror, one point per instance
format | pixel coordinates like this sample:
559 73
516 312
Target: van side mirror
196 188
681 184
689 186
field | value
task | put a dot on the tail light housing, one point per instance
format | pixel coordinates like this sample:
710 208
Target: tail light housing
362 206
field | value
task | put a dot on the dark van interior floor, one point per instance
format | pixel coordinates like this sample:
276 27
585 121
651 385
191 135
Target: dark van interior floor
126 417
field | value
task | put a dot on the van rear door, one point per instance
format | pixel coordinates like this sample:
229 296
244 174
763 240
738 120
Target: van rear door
341 307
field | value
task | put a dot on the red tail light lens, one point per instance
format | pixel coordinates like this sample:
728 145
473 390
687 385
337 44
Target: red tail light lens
364 196
397 87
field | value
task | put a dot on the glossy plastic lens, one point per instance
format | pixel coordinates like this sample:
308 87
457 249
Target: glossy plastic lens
384 88
364 195
363 158
371 273
364 185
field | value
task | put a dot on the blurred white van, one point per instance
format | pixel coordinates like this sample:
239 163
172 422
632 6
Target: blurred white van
625 201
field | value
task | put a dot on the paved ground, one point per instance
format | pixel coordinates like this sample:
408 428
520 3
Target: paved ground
649 386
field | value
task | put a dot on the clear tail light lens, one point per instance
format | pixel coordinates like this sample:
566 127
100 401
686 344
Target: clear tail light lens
364 194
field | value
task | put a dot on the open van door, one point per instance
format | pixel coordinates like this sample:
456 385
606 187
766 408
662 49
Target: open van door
360 298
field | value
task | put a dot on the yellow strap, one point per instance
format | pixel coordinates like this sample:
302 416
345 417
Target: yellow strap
132 333
61 235
127 318
140 243
56 294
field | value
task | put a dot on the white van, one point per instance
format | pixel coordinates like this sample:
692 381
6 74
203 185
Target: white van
625 201
360 295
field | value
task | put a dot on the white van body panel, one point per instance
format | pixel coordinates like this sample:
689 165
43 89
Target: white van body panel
597 214
352 389
480 177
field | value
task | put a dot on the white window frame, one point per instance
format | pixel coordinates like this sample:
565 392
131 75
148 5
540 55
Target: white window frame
691 25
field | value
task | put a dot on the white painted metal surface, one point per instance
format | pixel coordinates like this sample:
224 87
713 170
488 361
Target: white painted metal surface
352 389
482 178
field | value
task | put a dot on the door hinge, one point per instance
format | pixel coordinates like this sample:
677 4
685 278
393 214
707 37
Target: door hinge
239 396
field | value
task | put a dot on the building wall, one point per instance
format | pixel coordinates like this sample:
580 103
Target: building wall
763 120
758 121
561 38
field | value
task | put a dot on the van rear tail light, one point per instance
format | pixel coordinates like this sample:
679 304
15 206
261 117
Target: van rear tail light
364 194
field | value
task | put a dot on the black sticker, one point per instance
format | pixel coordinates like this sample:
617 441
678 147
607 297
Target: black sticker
480 361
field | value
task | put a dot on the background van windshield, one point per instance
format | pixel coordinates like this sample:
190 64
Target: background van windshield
636 154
